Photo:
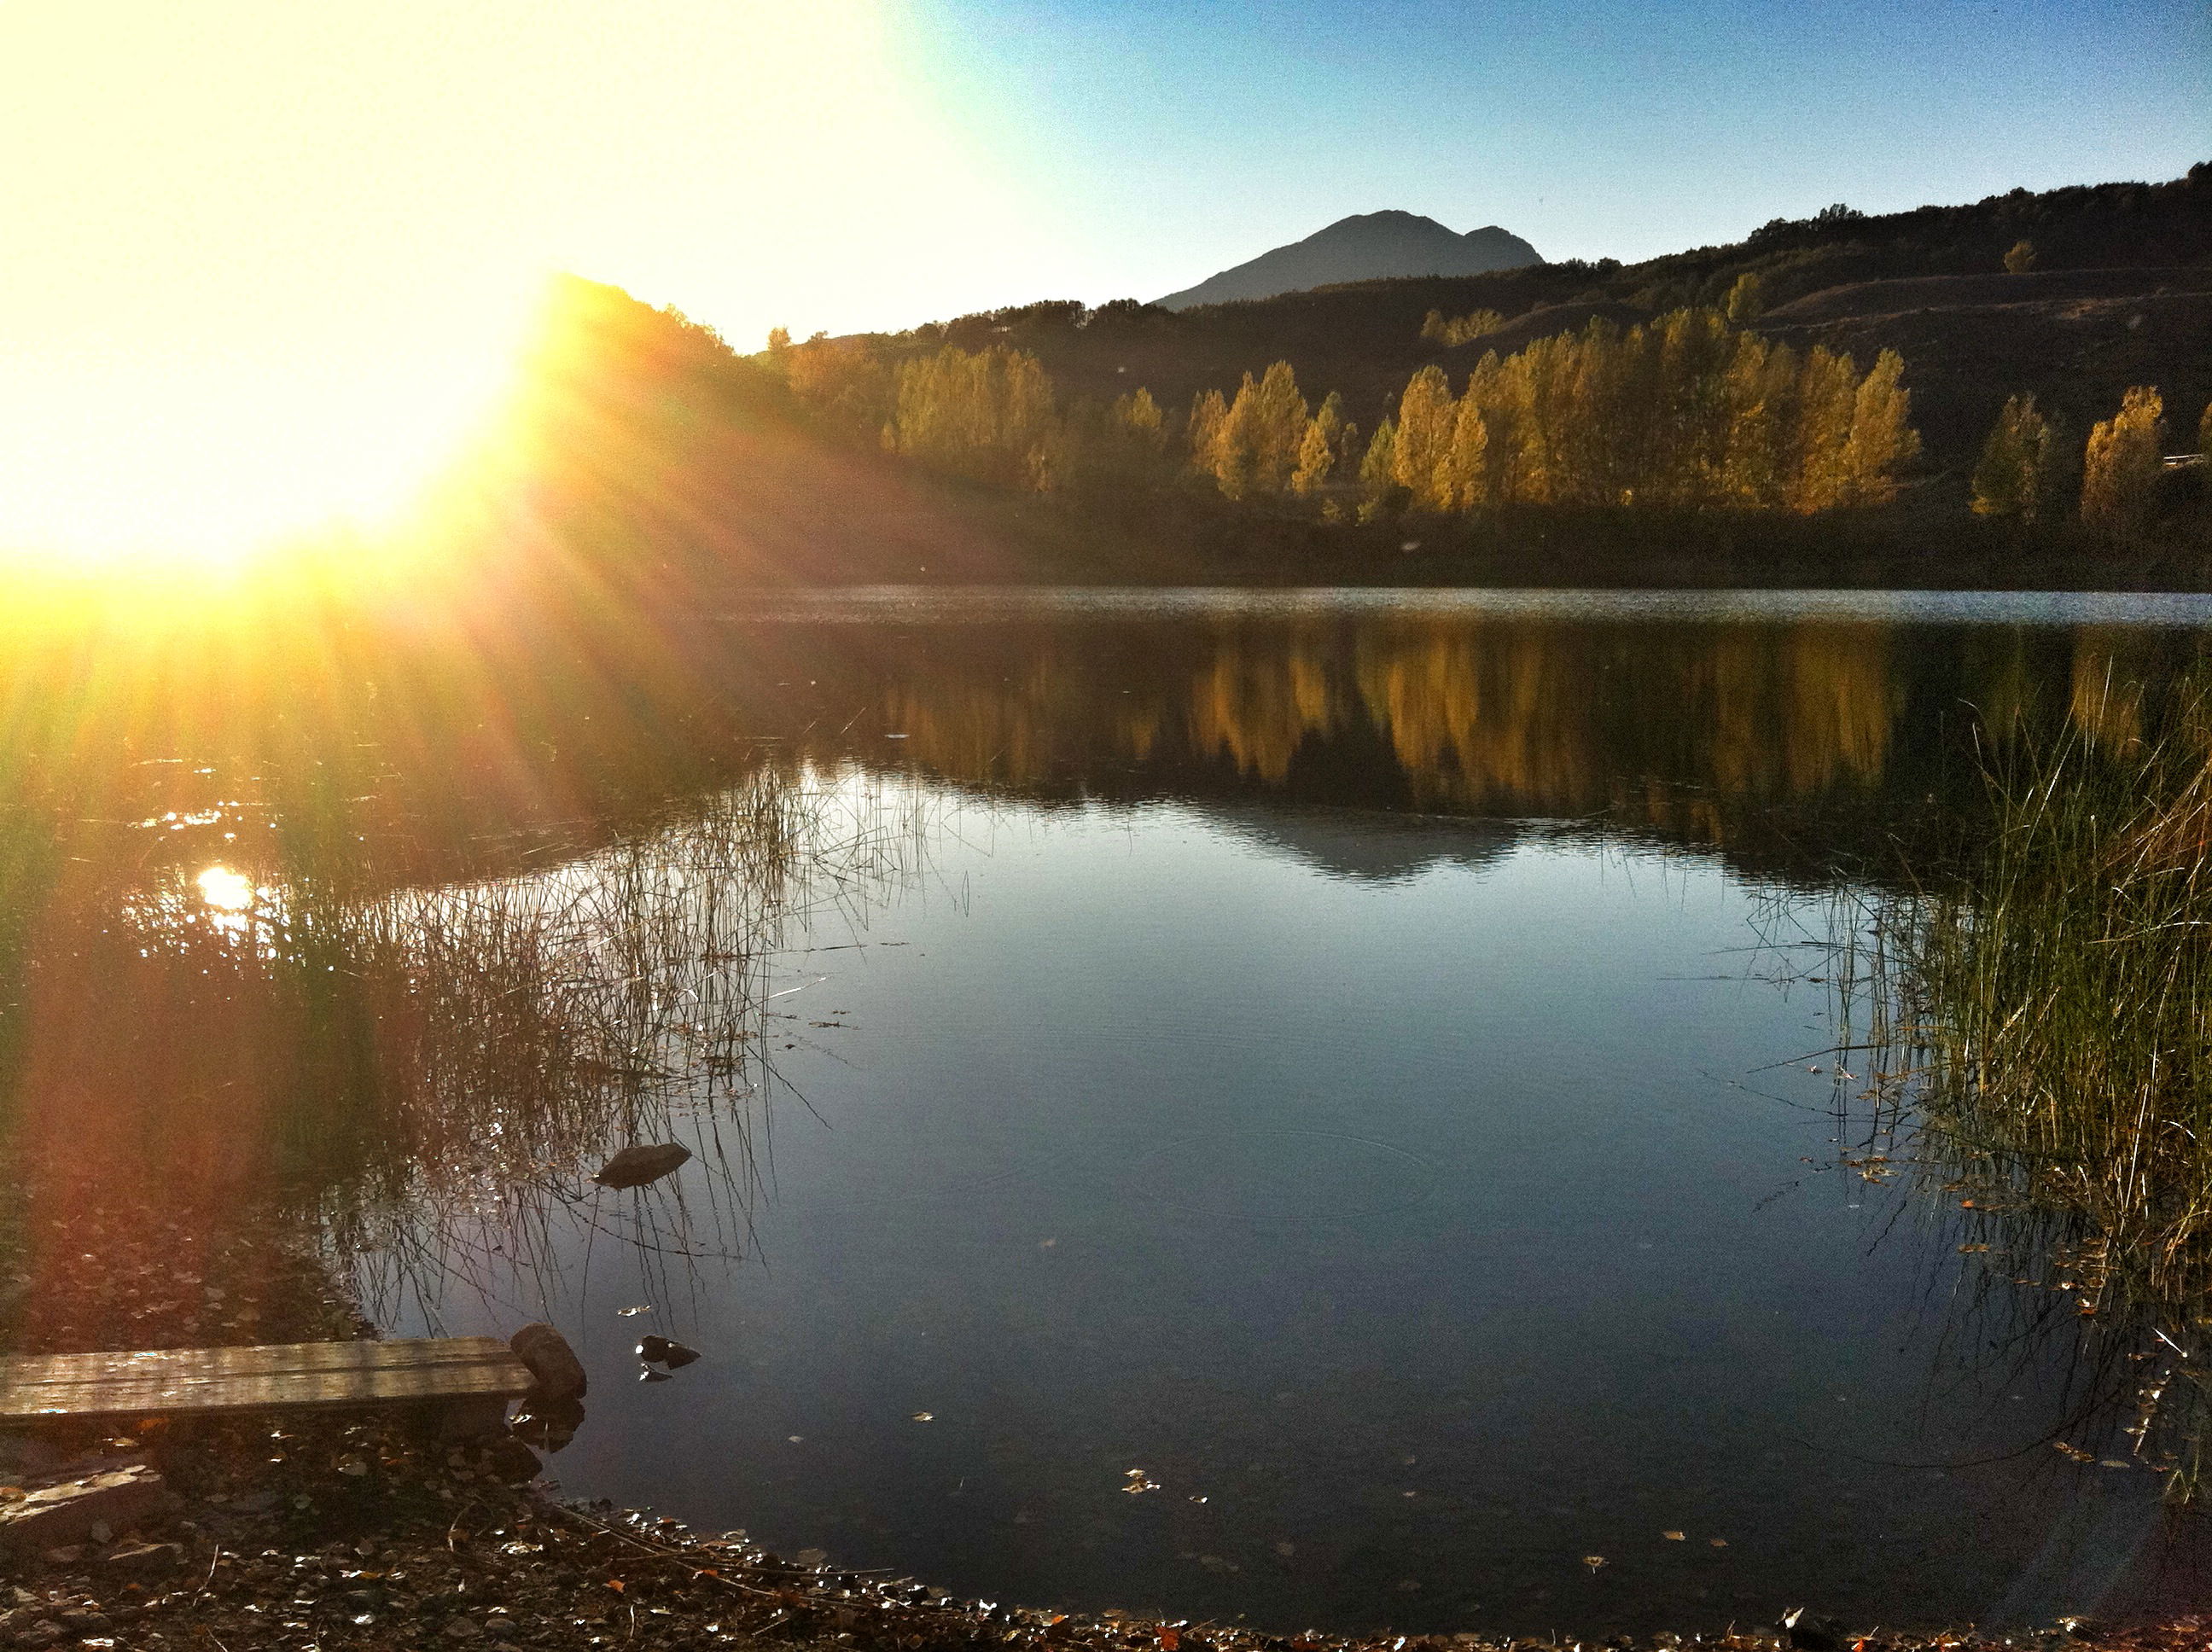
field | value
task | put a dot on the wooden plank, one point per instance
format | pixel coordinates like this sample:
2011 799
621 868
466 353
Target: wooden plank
276 1377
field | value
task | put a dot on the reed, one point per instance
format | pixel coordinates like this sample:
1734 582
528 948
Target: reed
2036 1020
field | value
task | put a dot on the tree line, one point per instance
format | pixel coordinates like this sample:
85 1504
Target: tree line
2029 470
1685 411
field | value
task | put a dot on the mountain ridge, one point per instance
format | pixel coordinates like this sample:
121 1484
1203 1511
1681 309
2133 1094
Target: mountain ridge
1364 247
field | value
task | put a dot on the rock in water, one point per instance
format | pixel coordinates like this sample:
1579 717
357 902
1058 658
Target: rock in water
641 1162
1810 1634
661 1350
547 1424
560 1374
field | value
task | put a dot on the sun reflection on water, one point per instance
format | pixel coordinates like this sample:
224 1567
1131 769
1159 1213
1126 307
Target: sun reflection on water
226 891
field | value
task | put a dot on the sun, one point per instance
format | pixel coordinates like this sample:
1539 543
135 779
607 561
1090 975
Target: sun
213 460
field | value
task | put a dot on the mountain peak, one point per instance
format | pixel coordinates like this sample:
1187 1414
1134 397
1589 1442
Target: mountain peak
1365 246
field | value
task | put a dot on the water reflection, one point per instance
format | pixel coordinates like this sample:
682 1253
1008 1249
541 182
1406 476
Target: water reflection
1257 1044
1789 746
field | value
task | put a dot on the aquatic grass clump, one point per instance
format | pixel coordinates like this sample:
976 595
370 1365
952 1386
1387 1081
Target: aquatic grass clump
2036 1022
2058 994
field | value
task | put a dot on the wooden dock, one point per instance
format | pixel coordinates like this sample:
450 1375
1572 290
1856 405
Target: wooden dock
467 1380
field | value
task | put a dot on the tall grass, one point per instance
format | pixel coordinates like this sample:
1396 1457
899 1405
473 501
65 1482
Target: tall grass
2038 1019
424 1076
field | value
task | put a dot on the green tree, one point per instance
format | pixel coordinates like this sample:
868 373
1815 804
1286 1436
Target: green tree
2020 259
2018 464
2120 467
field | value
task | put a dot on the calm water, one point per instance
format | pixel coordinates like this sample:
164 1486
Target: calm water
1360 1060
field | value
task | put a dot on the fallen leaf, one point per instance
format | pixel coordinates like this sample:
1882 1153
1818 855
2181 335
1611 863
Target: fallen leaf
1717 1542
1593 1561
1672 1537
925 1416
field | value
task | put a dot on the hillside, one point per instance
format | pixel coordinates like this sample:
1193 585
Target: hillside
2120 295
1367 247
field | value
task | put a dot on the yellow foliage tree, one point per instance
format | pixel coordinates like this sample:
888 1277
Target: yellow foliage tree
2119 470
2018 464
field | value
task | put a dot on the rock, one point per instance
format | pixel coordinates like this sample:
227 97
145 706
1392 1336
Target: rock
661 1350
145 1557
1810 1634
26 1457
641 1162
547 1424
560 1374
511 1460
461 1629
60 1514
502 1629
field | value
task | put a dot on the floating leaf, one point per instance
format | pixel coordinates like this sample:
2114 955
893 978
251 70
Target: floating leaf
925 1416
1672 1537
632 1313
1593 1561
1717 1542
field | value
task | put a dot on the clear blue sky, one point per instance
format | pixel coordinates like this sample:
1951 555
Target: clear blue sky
1163 139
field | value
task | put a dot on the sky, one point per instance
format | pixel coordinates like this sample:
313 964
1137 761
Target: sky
262 262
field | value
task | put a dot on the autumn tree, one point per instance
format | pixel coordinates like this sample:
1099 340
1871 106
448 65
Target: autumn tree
2119 470
1209 411
1257 445
1747 298
845 382
1321 446
1682 412
1881 441
2020 259
989 414
2018 469
1378 470
1441 329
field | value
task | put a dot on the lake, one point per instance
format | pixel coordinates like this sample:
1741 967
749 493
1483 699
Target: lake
1314 1108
